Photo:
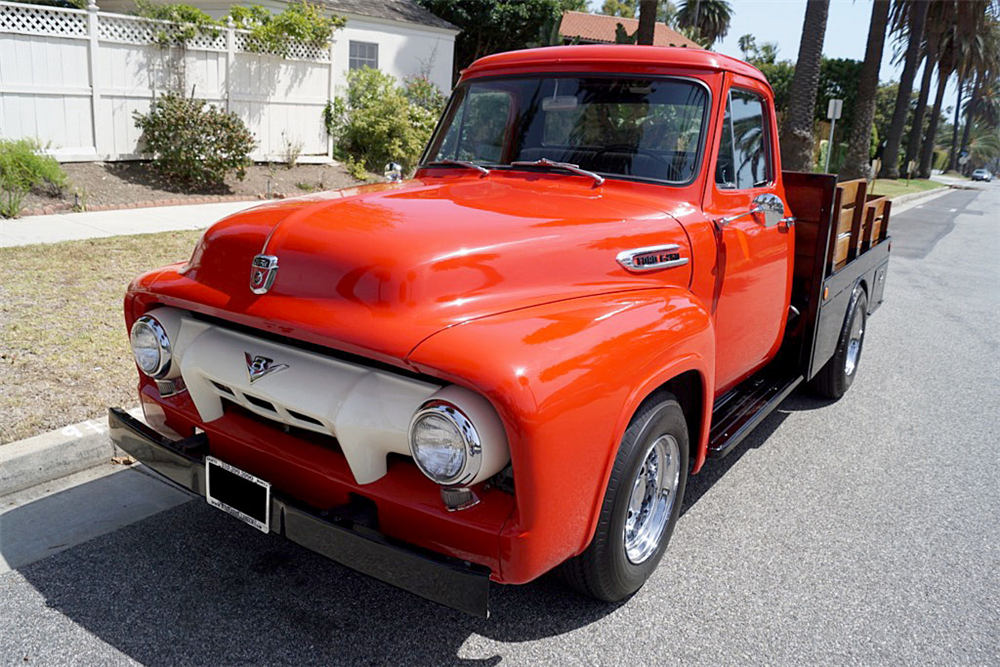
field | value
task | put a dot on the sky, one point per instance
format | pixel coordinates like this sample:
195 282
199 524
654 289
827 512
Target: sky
780 21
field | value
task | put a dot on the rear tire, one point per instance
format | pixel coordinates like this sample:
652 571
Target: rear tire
838 374
641 504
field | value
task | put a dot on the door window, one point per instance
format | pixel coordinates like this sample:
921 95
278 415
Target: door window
744 160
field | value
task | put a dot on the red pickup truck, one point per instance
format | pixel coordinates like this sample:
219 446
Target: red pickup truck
513 361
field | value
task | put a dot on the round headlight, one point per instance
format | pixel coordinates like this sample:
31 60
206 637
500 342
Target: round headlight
150 347
444 444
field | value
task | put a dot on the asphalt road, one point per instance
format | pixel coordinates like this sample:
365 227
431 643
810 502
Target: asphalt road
858 532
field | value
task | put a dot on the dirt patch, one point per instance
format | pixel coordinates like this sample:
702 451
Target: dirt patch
64 351
124 183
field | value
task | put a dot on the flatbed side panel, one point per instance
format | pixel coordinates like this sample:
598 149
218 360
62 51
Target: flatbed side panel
812 200
870 268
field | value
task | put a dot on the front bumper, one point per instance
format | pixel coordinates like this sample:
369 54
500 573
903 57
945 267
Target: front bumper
342 534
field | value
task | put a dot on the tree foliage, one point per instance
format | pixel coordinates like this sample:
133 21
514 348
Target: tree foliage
492 26
376 121
709 19
300 22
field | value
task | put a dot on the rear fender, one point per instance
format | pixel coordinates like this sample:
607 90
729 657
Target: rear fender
566 378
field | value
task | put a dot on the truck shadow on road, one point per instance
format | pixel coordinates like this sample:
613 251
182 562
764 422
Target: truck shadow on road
190 585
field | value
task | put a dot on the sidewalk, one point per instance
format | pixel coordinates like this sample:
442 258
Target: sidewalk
76 226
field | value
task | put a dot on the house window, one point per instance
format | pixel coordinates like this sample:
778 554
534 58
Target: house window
363 54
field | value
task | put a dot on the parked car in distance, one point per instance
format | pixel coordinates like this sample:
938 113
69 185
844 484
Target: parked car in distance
598 278
982 175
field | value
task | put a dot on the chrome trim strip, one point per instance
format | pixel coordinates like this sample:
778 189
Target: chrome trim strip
651 258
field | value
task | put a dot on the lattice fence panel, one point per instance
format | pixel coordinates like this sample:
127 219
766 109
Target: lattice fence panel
128 30
34 20
246 43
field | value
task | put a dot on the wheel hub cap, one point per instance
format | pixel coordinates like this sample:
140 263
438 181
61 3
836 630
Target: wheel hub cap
854 344
652 499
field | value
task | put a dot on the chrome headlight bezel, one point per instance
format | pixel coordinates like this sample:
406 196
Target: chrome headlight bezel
163 343
471 441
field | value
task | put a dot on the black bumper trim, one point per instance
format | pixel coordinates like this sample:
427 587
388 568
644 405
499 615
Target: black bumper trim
448 581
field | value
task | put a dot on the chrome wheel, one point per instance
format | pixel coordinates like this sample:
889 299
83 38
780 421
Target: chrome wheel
854 343
652 500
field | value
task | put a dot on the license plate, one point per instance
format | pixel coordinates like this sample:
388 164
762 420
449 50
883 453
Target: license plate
238 493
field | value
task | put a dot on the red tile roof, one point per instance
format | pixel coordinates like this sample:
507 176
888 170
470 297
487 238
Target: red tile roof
601 28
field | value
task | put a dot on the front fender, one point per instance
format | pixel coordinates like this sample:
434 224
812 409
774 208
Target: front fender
566 378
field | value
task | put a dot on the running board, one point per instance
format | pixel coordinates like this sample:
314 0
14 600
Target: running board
740 411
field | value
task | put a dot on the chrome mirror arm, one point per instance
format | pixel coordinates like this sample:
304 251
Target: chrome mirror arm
722 222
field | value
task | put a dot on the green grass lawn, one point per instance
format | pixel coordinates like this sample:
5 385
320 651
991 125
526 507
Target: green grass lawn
894 189
64 352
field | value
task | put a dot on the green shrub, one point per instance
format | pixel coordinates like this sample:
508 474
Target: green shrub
274 33
377 121
22 167
194 144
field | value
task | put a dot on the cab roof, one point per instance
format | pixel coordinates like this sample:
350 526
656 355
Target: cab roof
625 57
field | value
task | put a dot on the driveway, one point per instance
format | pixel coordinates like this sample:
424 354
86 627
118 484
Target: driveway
863 531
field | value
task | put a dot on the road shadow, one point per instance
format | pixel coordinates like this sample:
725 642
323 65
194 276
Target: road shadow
192 586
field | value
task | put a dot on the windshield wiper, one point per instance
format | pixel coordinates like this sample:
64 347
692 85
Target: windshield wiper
575 168
458 163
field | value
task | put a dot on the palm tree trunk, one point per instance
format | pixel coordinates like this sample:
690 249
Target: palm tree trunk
856 162
973 103
890 156
647 22
917 130
953 156
927 152
797 137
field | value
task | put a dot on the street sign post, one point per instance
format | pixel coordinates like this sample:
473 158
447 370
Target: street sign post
833 111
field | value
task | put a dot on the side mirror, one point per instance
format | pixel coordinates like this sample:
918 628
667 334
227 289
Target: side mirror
771 207
393 172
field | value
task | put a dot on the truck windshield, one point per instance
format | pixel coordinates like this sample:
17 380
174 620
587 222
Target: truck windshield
626 127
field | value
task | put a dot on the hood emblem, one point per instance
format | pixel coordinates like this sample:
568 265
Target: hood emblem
262 273
259 366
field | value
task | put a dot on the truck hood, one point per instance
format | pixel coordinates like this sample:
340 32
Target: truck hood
377 269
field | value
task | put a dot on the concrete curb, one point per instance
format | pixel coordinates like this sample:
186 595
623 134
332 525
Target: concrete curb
56 454
902 199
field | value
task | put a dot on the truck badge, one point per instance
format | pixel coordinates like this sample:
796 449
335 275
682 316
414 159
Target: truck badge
263 270
651 258
259 366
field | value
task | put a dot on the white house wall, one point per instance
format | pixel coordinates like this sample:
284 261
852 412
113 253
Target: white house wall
403 51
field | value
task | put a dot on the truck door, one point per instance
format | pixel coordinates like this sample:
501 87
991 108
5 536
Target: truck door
754 262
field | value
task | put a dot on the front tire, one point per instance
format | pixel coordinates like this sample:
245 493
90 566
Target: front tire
641 504
838 374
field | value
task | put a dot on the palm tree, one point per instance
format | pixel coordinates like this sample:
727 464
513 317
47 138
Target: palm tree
647 22
947 59
859 145
971 26
909 18
709 18
797 138
983 61
939 15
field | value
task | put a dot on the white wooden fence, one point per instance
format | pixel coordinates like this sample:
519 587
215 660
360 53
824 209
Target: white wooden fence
72 79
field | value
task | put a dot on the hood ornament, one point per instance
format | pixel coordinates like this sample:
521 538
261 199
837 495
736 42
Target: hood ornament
258 366
262 273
